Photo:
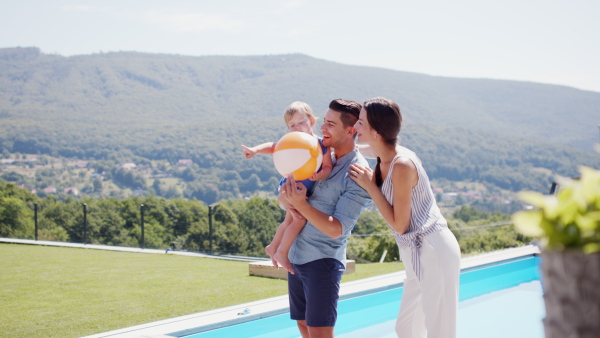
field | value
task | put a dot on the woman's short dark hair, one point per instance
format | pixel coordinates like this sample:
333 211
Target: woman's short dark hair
385 118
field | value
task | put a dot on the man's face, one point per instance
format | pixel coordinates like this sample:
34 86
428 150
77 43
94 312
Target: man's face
332 129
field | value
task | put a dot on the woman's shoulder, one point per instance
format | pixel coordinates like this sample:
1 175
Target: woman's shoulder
404 169
404 163
407 153
400 150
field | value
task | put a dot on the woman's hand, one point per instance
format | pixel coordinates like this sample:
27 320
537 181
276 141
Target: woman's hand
363 176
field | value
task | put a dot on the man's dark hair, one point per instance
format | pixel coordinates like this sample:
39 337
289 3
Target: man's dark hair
349 111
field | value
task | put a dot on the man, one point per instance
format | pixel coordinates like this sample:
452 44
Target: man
318 255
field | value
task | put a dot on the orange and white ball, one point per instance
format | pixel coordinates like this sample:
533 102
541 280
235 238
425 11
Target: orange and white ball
299 154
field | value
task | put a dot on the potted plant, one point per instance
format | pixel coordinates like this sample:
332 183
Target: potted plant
568 226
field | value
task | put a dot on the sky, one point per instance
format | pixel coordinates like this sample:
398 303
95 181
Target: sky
546 41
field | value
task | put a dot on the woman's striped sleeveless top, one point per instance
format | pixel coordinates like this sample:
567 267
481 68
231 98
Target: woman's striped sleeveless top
425 217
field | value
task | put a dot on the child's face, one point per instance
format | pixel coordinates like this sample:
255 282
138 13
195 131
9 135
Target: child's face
300 122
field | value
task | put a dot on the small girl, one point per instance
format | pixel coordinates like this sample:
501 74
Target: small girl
298 116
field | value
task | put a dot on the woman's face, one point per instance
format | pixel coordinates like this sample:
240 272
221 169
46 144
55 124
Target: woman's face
300 122
365 134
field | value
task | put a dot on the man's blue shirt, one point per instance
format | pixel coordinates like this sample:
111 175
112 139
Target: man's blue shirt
338 196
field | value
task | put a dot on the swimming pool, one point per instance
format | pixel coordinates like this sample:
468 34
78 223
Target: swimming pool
503 299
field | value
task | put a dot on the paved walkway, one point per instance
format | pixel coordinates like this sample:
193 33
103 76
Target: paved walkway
203 321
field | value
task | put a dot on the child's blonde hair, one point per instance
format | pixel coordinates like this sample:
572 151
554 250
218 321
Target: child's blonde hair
299 107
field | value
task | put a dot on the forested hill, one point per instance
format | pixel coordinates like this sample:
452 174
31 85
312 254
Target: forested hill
153 106
131 87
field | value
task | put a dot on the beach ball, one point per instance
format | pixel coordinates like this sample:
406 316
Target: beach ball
299 154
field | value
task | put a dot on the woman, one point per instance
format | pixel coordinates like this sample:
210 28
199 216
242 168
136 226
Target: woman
400 188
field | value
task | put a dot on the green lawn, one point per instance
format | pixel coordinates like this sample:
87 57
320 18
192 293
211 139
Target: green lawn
66 292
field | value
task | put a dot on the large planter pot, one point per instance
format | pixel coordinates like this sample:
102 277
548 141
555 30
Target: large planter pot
571 282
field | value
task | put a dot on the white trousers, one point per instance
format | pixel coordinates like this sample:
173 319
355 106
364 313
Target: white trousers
429 306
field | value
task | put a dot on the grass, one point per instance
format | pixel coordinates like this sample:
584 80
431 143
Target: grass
69 292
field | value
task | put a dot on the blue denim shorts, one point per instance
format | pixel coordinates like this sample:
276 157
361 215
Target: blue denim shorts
314 291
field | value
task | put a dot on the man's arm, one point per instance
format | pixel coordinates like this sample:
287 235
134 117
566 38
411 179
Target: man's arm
347 210
295 194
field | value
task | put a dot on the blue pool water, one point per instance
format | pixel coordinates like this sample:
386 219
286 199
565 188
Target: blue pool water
503 300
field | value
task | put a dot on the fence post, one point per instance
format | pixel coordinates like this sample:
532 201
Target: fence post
383 256
85 235
142 214
210 227
35 217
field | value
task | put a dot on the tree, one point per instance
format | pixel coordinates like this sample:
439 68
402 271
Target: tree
370 222
469 213
68 216
16 218
228 236
157 187
259 219
251 184
97 185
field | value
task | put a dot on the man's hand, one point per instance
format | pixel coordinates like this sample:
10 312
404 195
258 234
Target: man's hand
294 192
296 195
295 213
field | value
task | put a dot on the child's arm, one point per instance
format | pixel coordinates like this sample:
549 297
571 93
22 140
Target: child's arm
366 150
265 148
326 167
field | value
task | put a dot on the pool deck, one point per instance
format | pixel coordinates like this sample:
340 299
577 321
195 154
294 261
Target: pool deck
203 321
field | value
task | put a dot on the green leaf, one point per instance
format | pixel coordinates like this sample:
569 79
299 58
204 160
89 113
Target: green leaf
571 236
564 182
591 248
589 174
567 211
589 184
528 223
533 198
550 229
589 221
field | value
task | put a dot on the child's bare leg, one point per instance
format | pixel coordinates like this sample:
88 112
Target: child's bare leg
292 231
271 249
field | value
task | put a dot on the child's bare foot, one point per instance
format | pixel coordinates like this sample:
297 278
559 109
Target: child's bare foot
271 252
283 260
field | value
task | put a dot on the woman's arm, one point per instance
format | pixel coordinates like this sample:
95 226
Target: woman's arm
404 178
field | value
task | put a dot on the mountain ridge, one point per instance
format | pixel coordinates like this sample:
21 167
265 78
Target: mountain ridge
185 86
126 106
